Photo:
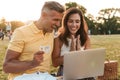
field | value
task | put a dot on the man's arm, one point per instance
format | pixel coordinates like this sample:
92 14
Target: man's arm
13 65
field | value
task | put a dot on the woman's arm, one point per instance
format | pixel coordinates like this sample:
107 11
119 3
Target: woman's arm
57 60
88 43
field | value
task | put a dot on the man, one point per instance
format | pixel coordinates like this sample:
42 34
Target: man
29 50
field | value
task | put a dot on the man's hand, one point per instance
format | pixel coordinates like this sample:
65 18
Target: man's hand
38 58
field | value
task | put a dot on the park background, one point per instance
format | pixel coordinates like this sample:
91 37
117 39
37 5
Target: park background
104 31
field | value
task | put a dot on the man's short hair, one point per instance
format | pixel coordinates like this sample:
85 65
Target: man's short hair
53 5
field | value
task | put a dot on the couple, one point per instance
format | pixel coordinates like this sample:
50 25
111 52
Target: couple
28 56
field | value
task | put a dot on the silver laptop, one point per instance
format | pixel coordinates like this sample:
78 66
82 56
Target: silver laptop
84 64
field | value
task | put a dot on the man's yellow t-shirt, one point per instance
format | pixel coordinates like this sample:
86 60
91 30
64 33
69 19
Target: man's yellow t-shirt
27 40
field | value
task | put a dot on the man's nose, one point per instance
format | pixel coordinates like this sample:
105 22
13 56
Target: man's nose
58 24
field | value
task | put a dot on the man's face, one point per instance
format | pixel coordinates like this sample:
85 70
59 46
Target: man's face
52 21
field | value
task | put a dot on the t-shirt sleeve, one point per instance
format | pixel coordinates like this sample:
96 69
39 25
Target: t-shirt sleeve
17 42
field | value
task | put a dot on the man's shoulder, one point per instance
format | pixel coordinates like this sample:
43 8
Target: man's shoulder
24 27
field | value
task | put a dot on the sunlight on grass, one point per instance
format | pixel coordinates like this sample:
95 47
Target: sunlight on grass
3 47
112 45
110 42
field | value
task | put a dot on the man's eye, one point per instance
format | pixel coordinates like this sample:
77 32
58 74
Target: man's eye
70 21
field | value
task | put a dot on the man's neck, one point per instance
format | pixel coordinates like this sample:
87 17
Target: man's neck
37 24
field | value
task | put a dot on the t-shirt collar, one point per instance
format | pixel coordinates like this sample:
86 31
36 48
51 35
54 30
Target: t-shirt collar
34 28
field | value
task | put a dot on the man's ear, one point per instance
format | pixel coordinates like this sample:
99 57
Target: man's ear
44 14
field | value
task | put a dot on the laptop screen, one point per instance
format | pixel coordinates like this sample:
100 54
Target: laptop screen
83 64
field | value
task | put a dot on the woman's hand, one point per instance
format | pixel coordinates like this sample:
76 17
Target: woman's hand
78 43
73 44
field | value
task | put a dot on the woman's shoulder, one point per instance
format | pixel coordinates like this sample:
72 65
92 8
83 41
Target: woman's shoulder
58 41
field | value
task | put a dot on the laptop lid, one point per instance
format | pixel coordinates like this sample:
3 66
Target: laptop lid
83 64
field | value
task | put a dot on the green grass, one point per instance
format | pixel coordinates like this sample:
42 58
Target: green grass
110 42
112 45
3 47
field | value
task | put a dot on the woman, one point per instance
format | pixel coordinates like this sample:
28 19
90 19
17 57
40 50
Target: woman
73 36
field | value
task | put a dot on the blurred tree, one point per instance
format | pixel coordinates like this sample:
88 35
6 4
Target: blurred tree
2 23
110 20
91 23
2 20
74 4
16 24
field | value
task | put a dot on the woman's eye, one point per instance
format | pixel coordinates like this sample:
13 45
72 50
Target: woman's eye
77 21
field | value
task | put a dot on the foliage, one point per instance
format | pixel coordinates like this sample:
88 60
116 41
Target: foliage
91 24
110 20
2 26
16 24
107 22
74 4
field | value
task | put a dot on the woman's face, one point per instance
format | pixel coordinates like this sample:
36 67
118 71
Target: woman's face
73 23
